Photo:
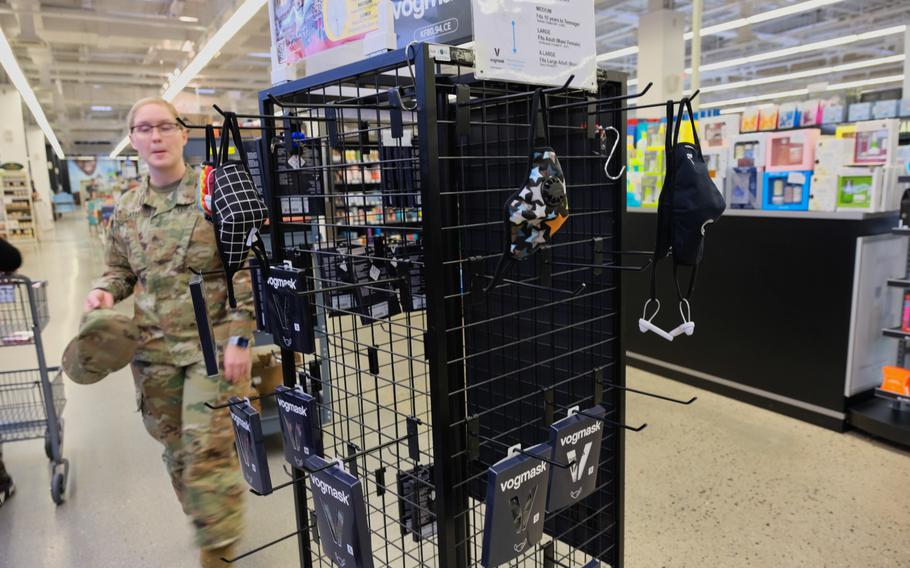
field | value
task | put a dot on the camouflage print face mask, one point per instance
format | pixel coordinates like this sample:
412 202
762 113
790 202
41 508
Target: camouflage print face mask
538 210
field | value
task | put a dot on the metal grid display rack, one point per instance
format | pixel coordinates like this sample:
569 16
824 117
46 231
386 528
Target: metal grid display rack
31 400
425 380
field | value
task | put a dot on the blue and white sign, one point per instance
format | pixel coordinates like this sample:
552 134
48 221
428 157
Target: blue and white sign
436 21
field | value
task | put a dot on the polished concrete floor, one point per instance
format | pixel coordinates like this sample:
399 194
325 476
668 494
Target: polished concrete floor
718 484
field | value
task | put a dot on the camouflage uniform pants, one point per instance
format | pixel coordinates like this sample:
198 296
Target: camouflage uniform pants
198 444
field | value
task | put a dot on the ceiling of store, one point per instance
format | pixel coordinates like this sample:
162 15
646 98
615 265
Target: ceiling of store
77 54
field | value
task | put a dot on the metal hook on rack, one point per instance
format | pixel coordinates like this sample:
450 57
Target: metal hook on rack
609 158
516 96
474 277
604 100
598 377
599 264
473 427
600 418
263 547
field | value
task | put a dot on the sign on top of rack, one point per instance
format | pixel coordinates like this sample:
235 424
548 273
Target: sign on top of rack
536 41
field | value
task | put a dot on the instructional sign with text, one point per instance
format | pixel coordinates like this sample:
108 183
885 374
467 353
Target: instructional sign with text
536 41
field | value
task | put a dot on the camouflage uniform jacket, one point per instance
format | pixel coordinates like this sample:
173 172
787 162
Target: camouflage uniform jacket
153 241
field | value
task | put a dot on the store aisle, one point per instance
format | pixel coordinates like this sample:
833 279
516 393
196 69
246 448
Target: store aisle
719 484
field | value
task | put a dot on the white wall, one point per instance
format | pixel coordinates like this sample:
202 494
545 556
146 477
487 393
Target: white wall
38 164
12 128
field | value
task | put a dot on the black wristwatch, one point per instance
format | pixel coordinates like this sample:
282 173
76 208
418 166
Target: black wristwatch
239 341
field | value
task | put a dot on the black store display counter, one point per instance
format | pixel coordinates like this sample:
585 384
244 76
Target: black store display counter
772 307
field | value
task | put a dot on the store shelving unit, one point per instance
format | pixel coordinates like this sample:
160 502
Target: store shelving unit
887 414
18 210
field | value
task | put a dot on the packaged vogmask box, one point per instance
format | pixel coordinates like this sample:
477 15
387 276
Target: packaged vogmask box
250 445
300 430
516 499
289 315
341 516
576 440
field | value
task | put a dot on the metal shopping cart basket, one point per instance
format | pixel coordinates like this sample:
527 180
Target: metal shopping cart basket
31 400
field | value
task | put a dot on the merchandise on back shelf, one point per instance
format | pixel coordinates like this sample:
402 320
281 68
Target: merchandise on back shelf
859 188
831 154
833 113
744 188
718 131
786 191
823 192
845 131
788 116
650 189
875 143
717 160
859 111
897 379
809 112
767 117
902 159
749 120
748 151
892 191
885 109
791 151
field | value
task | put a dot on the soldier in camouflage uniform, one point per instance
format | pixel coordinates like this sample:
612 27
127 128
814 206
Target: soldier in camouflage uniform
157 233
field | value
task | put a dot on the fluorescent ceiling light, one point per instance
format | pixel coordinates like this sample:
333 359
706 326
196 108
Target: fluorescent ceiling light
733 24
260 54
101 108
826 70
805 91
204 91
238 19
189 19
763 17
843 40
84 158
17 78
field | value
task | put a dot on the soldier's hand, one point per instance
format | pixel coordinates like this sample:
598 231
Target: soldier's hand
237 362
98 298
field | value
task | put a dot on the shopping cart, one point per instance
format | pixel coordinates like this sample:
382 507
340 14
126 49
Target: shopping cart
31 400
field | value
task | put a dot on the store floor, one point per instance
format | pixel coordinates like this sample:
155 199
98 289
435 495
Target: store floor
717 484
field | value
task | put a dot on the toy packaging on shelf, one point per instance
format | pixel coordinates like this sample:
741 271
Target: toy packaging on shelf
748 151
897 379
786 191
749 120
823 192
788 116
744 188
902 160
790 151
859 188
809 114
833 113
875 142
717 161
767 117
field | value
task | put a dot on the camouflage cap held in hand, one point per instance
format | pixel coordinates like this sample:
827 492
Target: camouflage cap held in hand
106 342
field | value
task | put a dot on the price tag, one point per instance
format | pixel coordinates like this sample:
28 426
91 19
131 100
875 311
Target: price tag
375 273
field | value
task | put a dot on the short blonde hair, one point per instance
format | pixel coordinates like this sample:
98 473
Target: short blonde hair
149 101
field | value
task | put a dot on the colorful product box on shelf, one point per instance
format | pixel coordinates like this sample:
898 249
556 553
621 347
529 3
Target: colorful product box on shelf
791 151
767 117
859 111
748 151
831 154
786 191
809 112
788 116
833 113
903 160
749 120
885 109
823 192
717 160
904 107
718 131
859 188
745 186
875 143
650 189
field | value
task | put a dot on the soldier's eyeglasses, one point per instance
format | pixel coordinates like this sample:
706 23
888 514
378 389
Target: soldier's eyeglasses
165 129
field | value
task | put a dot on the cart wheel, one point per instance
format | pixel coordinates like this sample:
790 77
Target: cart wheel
58 486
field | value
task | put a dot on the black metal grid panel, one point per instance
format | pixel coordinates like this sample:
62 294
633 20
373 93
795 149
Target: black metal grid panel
441 200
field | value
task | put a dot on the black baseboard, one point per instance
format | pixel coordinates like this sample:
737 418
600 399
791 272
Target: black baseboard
828 422
875 416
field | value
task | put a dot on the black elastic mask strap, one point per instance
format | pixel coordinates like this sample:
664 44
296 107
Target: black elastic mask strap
225 142
692 122
692 278
538 105
211 147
